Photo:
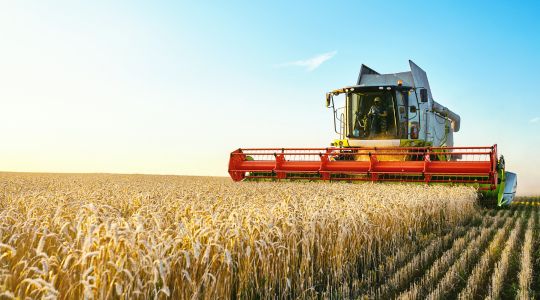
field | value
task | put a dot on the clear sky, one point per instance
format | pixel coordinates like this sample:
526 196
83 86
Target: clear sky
173 87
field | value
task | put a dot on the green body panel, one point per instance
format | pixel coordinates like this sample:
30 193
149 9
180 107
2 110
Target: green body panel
402 143
414 143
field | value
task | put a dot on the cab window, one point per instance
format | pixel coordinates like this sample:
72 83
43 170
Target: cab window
372 115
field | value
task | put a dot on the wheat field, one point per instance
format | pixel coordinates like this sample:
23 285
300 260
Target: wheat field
98 236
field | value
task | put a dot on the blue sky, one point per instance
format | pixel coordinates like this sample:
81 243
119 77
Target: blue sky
173 87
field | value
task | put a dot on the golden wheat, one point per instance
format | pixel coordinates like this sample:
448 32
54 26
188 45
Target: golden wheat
130 236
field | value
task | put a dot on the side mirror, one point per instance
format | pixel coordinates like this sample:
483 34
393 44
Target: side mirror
412 109
423 95
329 99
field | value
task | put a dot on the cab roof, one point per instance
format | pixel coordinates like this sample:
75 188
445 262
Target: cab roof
370 88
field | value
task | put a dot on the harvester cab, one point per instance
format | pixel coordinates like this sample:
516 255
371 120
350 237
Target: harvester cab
390 129
406 114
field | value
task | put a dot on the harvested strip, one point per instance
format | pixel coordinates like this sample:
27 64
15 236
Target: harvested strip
403 254
418 289
481 269
405 274
448 283
501 268
360 288
525 273
535 284
439 267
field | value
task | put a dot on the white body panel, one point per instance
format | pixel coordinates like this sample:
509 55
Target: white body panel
509 188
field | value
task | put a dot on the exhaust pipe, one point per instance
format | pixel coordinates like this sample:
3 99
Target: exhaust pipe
443 110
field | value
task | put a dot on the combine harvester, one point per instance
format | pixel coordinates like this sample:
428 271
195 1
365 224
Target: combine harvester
390 130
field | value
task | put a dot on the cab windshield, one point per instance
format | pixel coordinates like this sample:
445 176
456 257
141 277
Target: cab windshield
372 115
